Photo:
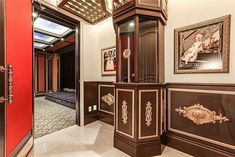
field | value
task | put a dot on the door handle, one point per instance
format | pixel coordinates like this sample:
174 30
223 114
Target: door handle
9 98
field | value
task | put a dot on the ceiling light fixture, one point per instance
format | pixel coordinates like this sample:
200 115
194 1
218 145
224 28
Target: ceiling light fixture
35 14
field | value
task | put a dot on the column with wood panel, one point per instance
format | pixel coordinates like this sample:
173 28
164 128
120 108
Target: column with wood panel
140 89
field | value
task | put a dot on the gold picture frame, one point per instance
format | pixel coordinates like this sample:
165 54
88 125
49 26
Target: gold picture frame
108 61
203 47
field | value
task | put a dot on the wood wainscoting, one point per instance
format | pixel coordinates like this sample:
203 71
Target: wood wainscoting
102 95
106 102
139 119
201 119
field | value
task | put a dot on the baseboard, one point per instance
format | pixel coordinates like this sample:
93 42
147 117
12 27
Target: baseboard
194 148
90 118
26 149
23 148
106 118
140 149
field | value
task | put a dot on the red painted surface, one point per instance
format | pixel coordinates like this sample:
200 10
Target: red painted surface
35 73
41 73
55 71
19 54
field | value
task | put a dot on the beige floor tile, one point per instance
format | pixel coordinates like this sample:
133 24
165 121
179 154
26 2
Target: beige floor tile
93 140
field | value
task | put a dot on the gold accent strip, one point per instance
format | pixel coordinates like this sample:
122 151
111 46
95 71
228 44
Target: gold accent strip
189 134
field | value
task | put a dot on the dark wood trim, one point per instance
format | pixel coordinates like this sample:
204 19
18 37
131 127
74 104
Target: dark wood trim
77 72
55 16
105 117
172 84
21 145
2 78
90 99
195 148
137 149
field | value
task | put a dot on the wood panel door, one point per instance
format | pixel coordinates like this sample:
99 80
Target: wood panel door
16 50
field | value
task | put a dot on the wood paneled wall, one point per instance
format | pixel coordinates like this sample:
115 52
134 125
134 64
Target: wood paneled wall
201 119
41 72
93 93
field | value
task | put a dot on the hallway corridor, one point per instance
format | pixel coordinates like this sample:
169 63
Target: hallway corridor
51 117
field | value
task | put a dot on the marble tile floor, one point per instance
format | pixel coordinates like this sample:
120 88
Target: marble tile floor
93 140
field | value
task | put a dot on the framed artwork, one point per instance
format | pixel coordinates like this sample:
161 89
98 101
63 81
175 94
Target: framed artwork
203 47
108 61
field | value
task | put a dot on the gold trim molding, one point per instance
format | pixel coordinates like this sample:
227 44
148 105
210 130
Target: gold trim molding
108 99
148 113
201 115
124 112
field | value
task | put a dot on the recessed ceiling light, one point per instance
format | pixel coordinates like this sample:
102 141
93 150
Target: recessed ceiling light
62 39
35 14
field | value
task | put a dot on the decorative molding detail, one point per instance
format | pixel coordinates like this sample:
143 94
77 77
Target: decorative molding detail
148 113
118 125
201 115
120 3
171 129
142 114
124 112
109 99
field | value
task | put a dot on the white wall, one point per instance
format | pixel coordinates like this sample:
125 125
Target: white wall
90 45
107 38
95 38
186 12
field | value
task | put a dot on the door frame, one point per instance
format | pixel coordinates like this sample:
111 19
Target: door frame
2 79
52 15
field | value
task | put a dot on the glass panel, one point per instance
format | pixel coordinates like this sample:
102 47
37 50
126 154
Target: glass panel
147 51
126 51
39 45
51 27
43 37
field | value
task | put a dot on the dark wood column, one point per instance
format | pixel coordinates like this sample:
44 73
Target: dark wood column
140 89
2 78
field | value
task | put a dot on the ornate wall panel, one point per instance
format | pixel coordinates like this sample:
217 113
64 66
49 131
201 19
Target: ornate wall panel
148 113
106 98
203 115
125 112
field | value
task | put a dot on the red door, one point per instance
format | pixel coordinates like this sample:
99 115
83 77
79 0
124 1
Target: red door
18 53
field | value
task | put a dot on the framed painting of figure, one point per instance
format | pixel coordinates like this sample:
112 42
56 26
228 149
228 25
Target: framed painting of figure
108 61
203 47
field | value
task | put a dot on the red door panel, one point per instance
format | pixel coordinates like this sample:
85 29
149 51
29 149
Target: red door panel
41 73
19 55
